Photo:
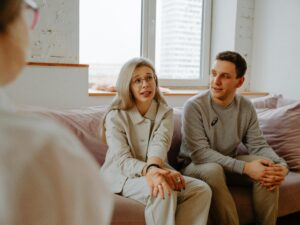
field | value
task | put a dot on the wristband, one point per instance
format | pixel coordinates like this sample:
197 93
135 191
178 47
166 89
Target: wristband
151 165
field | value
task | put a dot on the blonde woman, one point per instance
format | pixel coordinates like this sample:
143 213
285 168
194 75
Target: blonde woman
138 130
46 176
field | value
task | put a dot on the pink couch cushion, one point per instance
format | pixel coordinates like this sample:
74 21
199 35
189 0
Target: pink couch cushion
281 128
176 140
269 101
84 123
285 101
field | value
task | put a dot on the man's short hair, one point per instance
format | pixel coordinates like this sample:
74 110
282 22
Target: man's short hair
236 59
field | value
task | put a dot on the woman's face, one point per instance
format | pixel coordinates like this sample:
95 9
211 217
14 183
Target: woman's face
13 50
143 85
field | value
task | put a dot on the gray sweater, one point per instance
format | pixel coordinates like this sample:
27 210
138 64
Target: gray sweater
211 133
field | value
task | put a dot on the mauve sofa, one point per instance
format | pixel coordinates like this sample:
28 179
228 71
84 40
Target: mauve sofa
279 119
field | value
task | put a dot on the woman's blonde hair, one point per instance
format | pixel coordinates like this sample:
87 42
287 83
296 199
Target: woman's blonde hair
124 99
9 11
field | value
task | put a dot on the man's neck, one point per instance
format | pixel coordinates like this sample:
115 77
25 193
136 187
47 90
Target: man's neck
223 102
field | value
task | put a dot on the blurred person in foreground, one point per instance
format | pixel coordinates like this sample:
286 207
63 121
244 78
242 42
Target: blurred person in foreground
46 176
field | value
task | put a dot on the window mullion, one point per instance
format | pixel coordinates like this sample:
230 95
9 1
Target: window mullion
206 41
148 29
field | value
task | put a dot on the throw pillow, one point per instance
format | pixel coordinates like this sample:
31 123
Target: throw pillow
281 128
269 101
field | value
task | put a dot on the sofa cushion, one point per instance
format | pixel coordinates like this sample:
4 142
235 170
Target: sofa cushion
269 101
176 139
281 128
84 123
285 101
128 211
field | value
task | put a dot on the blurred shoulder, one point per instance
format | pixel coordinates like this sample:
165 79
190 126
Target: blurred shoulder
35 134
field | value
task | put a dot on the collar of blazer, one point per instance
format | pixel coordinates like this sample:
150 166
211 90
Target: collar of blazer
155 112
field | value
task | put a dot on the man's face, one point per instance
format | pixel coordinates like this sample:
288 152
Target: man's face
223 82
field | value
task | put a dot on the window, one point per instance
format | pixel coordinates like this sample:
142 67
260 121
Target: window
173 34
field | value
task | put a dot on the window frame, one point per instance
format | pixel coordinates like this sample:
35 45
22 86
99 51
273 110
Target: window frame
148 43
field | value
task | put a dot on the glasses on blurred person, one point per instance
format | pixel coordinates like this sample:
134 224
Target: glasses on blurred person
32 13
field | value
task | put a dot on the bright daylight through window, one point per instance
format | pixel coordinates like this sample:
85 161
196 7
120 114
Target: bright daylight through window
173 34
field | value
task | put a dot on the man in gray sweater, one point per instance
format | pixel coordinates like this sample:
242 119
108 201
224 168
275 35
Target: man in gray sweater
214 124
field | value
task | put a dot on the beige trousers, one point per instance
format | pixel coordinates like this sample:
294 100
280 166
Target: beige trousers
190 206
223 209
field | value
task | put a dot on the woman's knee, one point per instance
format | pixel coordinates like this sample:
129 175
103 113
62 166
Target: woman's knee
203 192
169 200
198 187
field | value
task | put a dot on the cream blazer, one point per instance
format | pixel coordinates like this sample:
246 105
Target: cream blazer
132 138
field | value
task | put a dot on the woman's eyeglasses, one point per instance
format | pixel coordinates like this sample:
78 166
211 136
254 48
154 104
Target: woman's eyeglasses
139 81
32 15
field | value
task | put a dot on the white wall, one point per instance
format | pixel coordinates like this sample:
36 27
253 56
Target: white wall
274 39
276 47
232 26
56 36
223 26
60 87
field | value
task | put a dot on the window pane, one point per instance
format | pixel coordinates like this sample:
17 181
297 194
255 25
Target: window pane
110 34
178 39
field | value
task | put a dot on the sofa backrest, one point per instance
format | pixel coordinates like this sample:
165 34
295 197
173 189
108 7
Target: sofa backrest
85 123
279 123
176 140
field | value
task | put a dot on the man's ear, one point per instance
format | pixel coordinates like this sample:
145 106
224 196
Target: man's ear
240 82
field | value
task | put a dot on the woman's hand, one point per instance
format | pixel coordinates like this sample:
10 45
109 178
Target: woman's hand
175 180
157 183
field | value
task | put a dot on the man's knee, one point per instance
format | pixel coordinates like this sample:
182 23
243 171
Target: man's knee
261 193
211 173
250 158
214 174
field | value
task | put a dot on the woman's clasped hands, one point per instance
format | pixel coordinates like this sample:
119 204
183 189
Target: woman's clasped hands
162 181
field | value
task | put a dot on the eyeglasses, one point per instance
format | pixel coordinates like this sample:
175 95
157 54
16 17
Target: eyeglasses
32 15
139 81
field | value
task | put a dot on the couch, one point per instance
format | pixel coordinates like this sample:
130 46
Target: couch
279 119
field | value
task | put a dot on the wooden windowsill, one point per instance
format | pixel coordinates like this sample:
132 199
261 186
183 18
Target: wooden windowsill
56 64
254 93
175 92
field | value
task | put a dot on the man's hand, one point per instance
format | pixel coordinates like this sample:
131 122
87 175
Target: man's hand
273 176
256 168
